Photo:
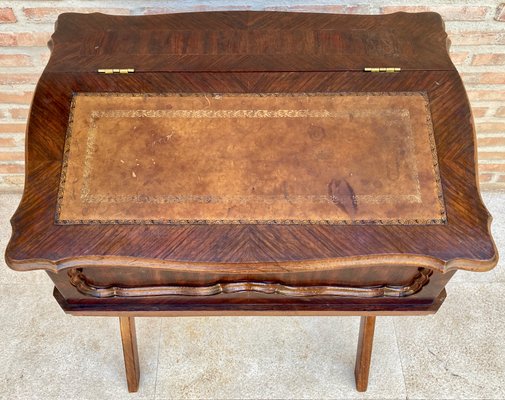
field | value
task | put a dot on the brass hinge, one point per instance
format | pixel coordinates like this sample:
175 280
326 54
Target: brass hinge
116 70
382 69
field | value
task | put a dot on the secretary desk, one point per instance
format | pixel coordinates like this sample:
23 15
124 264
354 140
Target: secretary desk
250 163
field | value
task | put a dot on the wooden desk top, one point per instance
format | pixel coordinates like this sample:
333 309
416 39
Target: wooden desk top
250 141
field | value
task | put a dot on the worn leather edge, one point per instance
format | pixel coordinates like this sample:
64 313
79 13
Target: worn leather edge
80 282
379 260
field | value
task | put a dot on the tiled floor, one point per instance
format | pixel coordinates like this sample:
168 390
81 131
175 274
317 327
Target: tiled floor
459 353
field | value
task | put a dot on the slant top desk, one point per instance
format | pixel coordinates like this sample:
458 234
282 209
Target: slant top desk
250 163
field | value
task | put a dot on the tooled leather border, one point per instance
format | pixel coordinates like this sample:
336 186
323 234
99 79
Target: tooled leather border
80 282
389 221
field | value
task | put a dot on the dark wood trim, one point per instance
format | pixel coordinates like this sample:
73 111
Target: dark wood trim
79 280
255 306
400 260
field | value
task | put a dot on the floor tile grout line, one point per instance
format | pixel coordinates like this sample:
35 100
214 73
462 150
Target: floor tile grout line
401 361
157 360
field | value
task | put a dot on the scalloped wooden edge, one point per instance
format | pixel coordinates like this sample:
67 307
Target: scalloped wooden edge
80 282
371 260
385 260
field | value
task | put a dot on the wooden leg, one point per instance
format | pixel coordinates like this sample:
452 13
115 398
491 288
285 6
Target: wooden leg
130 352
365 342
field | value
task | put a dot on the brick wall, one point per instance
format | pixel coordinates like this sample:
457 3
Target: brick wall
476 29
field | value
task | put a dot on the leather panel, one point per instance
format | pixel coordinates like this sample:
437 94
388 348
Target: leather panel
337 158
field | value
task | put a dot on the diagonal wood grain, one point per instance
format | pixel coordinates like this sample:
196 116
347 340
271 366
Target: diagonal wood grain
234 67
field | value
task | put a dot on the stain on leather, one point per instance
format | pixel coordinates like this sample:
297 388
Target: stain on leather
316 133
342 195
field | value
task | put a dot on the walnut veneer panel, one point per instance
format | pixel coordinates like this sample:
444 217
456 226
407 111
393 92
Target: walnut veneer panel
249 41
251 158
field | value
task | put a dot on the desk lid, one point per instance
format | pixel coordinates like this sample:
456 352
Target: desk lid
249 41
232 170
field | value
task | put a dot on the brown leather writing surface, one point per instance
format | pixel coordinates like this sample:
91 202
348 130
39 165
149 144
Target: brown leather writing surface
333 158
